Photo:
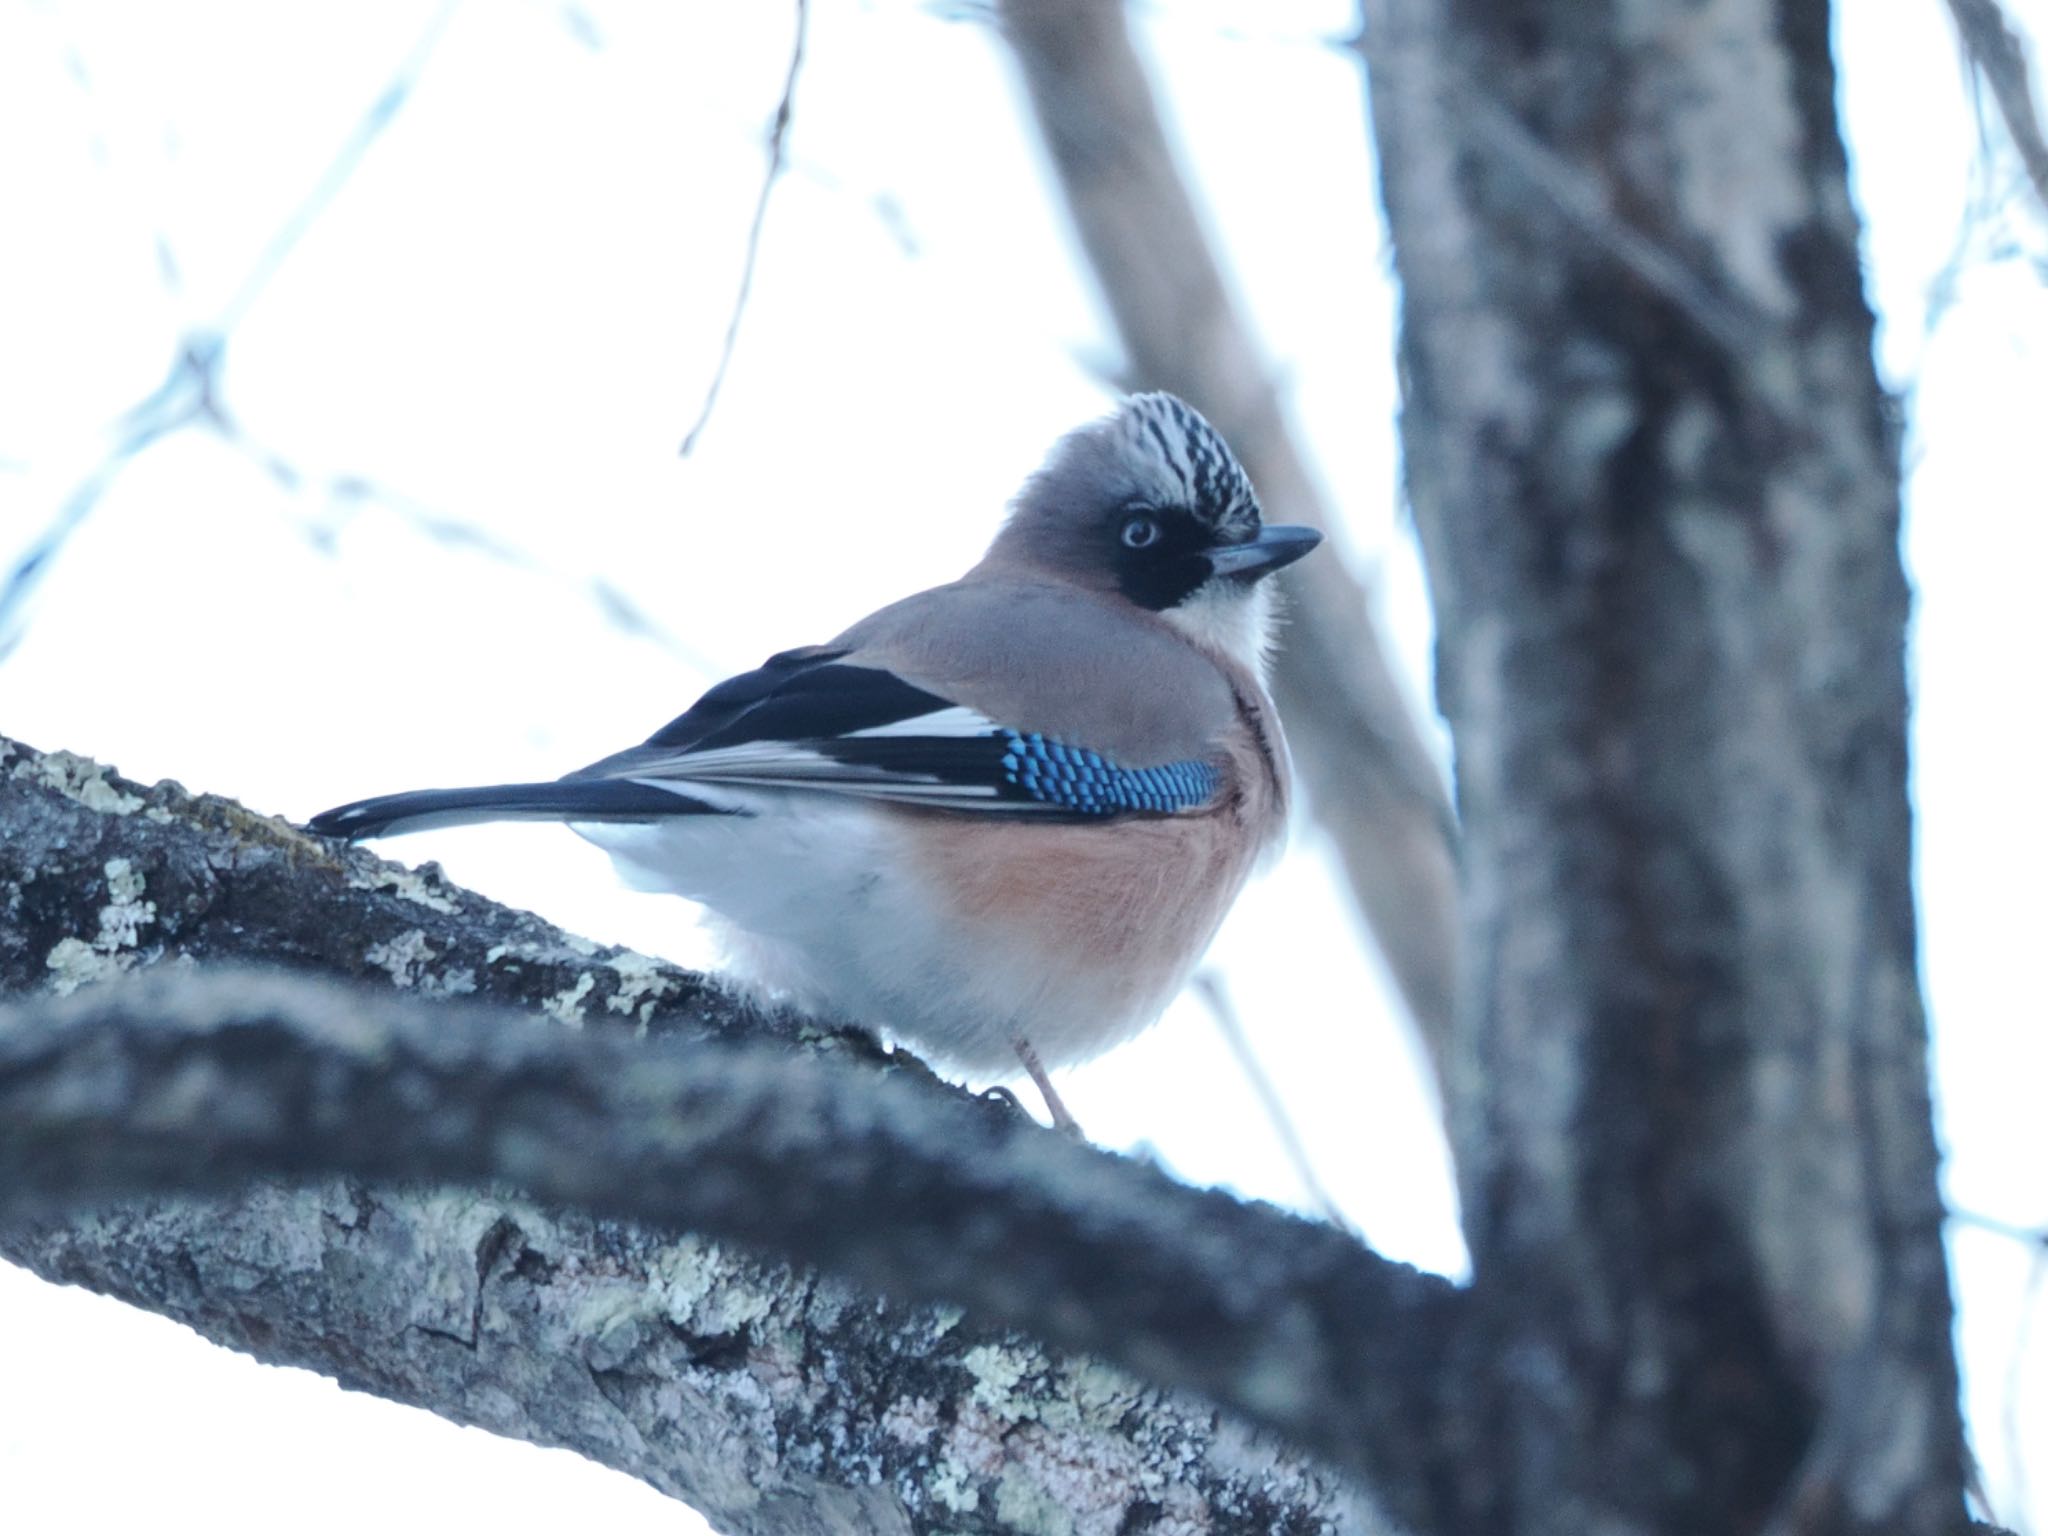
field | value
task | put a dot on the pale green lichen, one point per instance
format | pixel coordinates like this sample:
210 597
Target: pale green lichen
953 1486
971 1453
409 884
126 913
1088 1392
700 1290
642 984
404 959
910 1420
1077 1481
1023 1505
997 1370
1046 1448
73 962
567 1004
81 779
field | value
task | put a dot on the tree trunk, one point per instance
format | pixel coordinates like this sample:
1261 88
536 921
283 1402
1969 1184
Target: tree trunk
1656 481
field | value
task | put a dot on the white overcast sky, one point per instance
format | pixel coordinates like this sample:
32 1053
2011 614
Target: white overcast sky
506 318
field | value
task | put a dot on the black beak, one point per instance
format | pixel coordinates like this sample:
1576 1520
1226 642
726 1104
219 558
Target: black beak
1273 548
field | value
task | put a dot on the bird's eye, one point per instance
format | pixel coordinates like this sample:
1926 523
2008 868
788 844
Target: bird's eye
1141 533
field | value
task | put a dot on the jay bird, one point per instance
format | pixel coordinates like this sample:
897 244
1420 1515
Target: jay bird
1000 819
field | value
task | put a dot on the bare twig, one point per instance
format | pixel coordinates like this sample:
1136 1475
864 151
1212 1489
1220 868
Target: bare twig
2032 1237
369 128
778 134
2016 1378
190 389
178 401
1215 996
1996 52
352 489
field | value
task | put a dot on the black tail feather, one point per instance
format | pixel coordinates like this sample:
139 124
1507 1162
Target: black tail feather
565 800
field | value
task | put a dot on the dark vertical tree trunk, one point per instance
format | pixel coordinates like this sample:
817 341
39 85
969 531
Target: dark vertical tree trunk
1656 481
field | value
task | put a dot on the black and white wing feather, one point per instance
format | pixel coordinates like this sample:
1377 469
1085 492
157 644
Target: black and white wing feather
808 720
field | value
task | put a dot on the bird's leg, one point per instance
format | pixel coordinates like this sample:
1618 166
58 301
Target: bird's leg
1062 1117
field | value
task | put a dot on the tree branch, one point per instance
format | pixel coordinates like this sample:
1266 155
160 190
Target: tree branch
778 155
1371 784
1996 52
726 1124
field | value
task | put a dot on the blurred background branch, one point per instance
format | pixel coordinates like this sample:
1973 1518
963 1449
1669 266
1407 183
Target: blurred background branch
1372 785
778 157
190 391
1998 55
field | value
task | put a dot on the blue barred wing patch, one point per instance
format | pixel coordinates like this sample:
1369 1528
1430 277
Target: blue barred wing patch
1076 779
810 721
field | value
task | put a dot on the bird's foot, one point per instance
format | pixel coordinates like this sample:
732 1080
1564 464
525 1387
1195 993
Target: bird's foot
1062 1117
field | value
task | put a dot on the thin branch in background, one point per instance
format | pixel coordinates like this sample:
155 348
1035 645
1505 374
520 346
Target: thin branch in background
2035 1239
1990 230
352 491
577 21
1215 997
368 129
2014 1391
1997 54
778 135
2032 1237
190 390
970 12
179 400
886 208
2015 1381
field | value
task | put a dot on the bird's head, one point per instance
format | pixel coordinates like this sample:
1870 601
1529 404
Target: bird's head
1150 504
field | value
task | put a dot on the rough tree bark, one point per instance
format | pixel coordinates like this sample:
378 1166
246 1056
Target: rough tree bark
771 1399
1656 480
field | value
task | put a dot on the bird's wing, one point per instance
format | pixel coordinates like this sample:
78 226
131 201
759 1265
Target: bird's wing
819 719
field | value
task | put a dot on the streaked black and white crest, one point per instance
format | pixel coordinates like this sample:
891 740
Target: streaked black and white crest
1194 467
1155 454
1149 502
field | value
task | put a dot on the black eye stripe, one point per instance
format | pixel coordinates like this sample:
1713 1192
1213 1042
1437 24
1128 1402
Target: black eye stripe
1160 578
